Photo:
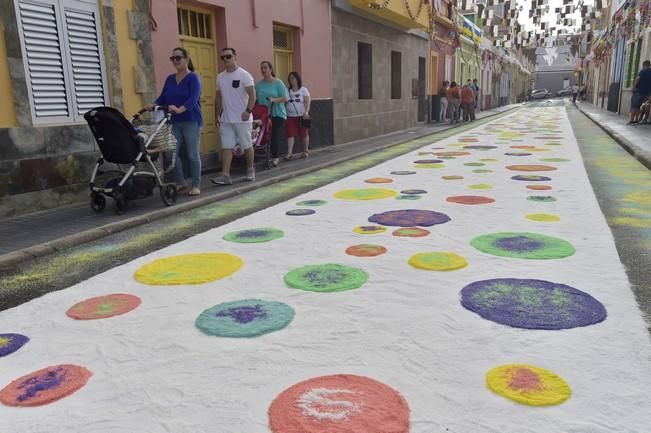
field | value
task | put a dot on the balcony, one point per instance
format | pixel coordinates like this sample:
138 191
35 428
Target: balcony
409 14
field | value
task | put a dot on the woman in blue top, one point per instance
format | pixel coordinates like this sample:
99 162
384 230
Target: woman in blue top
272 93
181 94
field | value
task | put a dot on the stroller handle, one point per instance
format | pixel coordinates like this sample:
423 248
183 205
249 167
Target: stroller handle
162 108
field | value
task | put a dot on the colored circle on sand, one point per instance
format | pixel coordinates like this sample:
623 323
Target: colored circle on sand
403 172
9 343
522 146
531 178
526 384
555 160
438 261
413 191
480 186
369 230
189 269
102 307
411 232
539 187
257 235
541 198
408 197
341 403
245 318
365 194
532 304
365 250
543 217
430 166
428 161
470 199
474 164
300 212
452 153
379 180
530 167
482 171
326 278
518 154
312 203
480 147
523 245
409 218
488 160
451 177
45 386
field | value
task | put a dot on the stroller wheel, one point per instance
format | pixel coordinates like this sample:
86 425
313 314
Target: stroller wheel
168 194
97 202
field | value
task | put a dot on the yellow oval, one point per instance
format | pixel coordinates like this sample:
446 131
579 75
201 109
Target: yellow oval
188 269
543 217
527 384
365 194
438 261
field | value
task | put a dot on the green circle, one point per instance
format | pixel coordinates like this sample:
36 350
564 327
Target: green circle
523 245
251 236
245 318
555 160
541 198
474 164
312 203
326 278
481 170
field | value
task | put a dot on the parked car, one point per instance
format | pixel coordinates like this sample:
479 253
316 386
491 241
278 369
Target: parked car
540 94
565 92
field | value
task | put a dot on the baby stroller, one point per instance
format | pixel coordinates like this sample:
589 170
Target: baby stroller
260 135
121 142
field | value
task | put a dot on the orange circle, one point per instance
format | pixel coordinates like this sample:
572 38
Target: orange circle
45 386
102 307
365 250
531 167
539 187
342 403
379 180
524 146
470 199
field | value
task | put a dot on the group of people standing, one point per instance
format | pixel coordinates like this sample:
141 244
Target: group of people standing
458 101
237 94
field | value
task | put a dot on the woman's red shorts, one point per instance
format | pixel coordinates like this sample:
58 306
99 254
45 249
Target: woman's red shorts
293 126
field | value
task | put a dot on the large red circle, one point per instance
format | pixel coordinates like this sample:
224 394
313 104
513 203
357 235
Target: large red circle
342 403
45 386
470 199
102 307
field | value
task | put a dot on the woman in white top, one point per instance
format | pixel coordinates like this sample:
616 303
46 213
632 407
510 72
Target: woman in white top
298 108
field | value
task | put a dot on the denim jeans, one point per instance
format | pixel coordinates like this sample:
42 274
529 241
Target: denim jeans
188 137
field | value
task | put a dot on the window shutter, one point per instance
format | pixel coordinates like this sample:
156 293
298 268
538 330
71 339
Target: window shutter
44 60
87 83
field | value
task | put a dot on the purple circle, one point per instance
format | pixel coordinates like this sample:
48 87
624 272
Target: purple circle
409 218
9 343
480 147
532 304
300 212
518 243
428 161
531 178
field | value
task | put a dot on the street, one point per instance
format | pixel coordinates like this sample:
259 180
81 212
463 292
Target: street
494 279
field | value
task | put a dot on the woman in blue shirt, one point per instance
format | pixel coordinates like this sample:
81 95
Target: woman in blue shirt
272 93
181 94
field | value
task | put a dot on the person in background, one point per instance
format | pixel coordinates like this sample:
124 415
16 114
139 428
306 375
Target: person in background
454 100
181 93
298 108
641 91
575 92
468 102
272 93
234 102
475 88
443 93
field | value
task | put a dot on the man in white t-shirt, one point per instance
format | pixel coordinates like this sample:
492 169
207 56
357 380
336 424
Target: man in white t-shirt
233 104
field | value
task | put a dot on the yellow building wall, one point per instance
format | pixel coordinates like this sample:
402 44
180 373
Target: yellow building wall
396 12
7 110
128 54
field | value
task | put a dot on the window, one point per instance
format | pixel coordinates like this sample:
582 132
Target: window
633 63
63 58
448 68
364 71
194 23
283 39
396 75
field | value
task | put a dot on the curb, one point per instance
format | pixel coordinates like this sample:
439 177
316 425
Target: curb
66 242
642 155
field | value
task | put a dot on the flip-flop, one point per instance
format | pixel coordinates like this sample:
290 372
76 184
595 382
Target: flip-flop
191 194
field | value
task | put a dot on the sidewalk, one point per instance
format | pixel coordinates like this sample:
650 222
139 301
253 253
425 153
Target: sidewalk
635 139
38 234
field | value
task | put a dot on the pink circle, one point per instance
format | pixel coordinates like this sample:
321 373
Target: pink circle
342 403
102 307
470 199
45 386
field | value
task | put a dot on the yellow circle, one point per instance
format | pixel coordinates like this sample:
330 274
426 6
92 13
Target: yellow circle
528 385
188 269
365 194
438 261
480 186
369 230
488 160
543 217
436 165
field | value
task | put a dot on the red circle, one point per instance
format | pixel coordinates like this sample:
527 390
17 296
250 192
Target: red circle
342 403
379 180
470 199
45 386
102 307
365 250
539 187
411 232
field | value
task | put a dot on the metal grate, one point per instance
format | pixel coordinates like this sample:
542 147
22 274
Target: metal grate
282 39
194 24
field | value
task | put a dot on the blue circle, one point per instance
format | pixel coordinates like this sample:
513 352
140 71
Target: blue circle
245 318
531 178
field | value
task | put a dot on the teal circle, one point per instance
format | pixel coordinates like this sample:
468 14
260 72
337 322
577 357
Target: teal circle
541 198
245 318
408 197
523 245
311 203
326 278
251 236
474 164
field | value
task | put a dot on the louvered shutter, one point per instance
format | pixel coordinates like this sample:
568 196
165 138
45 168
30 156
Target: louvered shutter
85 59
44 60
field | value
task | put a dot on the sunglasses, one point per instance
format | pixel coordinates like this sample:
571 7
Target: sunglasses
226 57
176 58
